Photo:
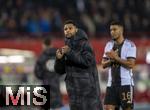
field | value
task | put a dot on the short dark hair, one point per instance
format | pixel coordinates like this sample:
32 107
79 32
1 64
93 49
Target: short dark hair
117 23
70 22
47 41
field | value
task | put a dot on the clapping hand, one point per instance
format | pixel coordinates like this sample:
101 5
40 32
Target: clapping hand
65 49
59 53
112 54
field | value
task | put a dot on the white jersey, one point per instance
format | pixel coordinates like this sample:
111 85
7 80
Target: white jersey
120 75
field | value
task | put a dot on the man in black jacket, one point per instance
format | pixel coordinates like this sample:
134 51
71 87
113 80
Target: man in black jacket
44 70
77 60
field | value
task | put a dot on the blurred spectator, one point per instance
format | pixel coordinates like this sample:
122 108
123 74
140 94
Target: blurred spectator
93 15
32 23
45 23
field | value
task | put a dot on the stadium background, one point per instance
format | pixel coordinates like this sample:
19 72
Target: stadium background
24 23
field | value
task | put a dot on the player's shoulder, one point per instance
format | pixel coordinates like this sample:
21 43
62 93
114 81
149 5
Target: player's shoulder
129 43
110 42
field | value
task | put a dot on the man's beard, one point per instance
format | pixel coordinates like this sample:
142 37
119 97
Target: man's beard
69 35
114 38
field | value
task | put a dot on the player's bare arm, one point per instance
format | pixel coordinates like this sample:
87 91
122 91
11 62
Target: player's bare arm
129 63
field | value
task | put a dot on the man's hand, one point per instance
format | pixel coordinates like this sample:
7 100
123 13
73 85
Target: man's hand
59 54
65 49
106 63
112 54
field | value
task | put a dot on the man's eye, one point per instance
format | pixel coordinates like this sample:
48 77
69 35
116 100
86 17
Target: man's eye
65 29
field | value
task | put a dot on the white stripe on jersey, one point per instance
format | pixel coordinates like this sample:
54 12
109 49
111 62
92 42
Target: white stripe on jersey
128 50
131 96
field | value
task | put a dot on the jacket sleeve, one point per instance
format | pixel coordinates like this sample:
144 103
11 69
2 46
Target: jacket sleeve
59 66
84 58
38 70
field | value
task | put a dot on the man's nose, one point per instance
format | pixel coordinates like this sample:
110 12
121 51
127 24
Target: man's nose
67 31
112 32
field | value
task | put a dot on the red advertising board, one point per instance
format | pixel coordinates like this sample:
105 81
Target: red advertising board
35 45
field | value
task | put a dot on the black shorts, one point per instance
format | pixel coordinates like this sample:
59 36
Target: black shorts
119 96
